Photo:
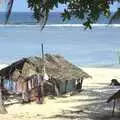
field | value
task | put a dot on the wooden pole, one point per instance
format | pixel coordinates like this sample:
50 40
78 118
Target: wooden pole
66 83
43 60
2 108
41 83
114 103
81 82
56 90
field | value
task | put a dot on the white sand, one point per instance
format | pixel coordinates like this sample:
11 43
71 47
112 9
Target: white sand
87 105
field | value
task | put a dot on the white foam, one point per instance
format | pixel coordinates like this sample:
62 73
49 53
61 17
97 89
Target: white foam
81 25
60 25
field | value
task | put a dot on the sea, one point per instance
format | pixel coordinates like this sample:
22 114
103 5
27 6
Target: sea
22 37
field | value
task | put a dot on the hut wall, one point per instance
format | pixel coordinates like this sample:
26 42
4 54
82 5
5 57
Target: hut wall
67 86
70 86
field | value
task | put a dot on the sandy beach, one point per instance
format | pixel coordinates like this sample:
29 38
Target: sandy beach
90 104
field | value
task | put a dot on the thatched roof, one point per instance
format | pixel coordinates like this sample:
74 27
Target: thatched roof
114 96
56 66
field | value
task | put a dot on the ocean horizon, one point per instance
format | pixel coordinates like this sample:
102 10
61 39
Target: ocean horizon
18 18
97 47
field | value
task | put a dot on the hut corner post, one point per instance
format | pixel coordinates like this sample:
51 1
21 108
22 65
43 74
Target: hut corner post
2 108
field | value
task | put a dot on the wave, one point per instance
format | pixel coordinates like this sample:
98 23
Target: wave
59 25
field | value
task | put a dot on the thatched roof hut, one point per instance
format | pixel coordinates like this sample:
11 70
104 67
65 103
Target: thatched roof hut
62 73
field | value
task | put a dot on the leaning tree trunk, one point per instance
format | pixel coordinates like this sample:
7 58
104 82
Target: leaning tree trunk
2 108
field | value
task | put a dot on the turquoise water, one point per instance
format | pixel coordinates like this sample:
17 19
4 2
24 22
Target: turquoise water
98 46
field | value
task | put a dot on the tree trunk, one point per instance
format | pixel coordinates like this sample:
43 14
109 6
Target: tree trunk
41 92
2 108
114 103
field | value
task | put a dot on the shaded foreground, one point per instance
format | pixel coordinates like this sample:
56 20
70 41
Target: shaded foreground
87 105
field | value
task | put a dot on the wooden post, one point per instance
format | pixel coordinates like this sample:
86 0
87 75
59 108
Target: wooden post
114 103
81 82
41 82
56 90
42 55
2 108
42 92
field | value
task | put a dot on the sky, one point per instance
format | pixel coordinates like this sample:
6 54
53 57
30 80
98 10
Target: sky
21 6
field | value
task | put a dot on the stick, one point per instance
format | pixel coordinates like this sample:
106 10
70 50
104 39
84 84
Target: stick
113 107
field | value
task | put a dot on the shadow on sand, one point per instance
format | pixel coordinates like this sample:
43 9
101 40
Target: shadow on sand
95 108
